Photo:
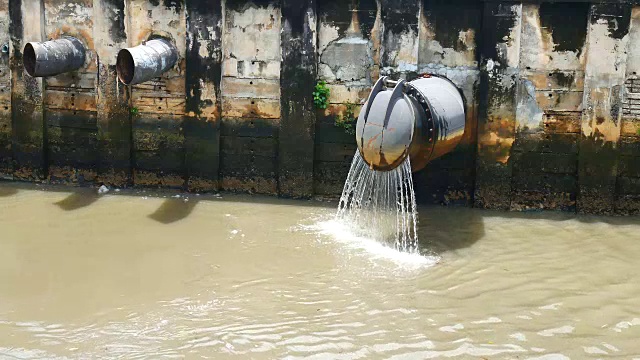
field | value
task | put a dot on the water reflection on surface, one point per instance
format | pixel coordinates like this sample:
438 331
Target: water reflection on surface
137 276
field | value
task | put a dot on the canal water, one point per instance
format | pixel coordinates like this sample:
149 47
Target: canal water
138 275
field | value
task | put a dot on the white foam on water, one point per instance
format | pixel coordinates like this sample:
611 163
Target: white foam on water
343 233
567 329
377 213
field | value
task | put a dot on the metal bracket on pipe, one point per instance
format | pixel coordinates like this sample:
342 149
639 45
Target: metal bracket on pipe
372 95
398 92
393 83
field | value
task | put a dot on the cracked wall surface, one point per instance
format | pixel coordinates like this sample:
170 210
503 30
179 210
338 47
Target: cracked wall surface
551 92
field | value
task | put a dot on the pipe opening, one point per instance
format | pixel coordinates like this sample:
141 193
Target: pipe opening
125 66
29 59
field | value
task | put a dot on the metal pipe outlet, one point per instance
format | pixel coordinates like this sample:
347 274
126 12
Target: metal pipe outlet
423 119
53 57
144 62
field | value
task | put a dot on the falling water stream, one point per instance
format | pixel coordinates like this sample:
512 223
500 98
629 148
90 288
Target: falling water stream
381 204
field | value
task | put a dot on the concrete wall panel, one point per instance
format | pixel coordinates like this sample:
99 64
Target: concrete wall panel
161 101
448 46
28 126
497 103
251 66
6 157
551 91
349 62
605 72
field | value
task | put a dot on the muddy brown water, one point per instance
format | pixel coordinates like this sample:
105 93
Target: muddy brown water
131 276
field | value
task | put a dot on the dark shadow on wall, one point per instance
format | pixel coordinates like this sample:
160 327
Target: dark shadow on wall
174 209
77 200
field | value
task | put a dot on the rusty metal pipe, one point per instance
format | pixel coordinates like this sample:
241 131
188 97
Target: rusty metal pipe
146 61
53 57
422 119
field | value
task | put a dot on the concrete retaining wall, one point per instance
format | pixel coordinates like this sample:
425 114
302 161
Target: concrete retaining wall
552 93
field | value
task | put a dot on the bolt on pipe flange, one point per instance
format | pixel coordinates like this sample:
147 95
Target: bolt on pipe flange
53 57
146 61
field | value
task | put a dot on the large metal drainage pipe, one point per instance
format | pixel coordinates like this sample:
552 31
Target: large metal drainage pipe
53 57
423 119
144 62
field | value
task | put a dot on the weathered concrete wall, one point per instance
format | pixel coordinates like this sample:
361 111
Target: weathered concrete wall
70 106
297 81
551 89
203 90
6 167
160 105
627 191
28 135
448 46
604 79
549 105
499 73
250 96
349 62
113 121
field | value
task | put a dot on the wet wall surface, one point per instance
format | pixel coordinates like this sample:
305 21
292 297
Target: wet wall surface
551 91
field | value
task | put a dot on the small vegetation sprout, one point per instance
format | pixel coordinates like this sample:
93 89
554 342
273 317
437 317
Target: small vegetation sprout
321 95
347 120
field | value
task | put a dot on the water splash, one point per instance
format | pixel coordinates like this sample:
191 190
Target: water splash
381 204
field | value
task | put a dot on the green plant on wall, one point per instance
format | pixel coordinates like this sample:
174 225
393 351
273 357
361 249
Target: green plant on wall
347 120
321 95
134 111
